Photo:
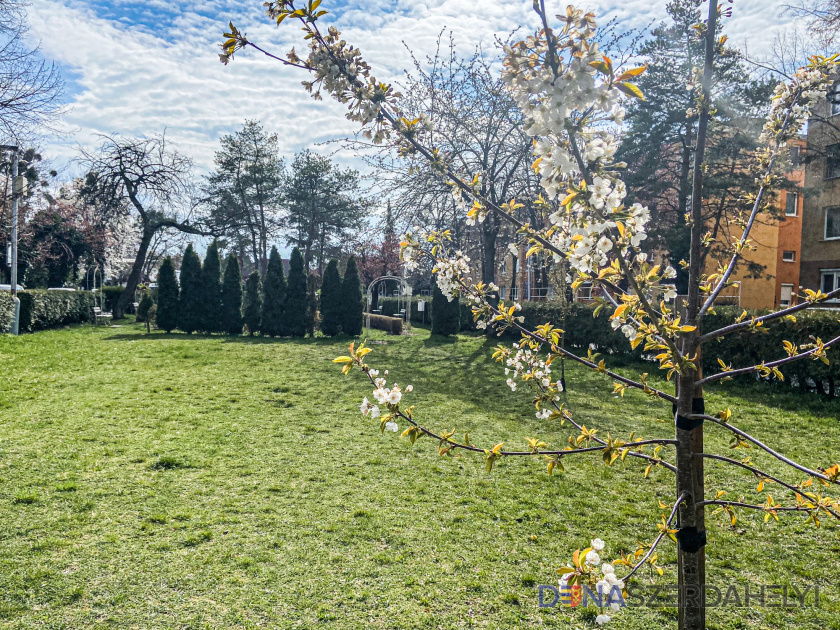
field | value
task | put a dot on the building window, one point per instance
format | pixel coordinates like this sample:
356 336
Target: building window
791 203
832 223
830 280
789 256
834 98
786 296
503 268
832 161
502 293
514 294
795 157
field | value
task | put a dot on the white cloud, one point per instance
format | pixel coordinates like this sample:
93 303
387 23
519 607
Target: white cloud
137 78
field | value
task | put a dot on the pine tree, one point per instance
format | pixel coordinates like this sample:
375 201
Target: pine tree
146 304
252 304
274 297
167 296
211 288
190 313
331 307
232 297
445 314
311 303
296 296
352 307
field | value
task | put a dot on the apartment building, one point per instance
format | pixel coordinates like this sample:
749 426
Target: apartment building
820 263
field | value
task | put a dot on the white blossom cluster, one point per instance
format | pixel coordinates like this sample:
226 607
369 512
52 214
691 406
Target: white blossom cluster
383 395
530 367
450 271
561 94
605 584
796 97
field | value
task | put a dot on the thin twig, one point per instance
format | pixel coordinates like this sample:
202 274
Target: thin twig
772 364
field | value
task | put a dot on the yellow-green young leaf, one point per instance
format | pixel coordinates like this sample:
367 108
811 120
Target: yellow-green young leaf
634 72
342 360
630 89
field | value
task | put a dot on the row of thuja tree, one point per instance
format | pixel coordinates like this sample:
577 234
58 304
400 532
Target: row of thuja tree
209 301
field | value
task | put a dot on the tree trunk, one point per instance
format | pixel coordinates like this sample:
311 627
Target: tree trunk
127 296
691 534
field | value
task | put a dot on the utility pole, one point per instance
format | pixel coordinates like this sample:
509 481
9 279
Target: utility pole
17 190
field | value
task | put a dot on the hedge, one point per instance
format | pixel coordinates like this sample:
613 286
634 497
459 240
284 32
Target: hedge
41 309
388 306
393 325
110 296
7 311
738 349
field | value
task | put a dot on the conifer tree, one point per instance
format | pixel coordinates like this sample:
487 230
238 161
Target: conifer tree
331 306
352 307
211 288
167 296
232 297
190 313
274 297
311 304
252 304
445 314
143 309
296 296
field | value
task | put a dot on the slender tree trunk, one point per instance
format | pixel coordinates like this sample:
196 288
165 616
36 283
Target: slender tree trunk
127 296
691 554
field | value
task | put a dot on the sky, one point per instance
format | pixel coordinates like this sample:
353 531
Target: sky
138 68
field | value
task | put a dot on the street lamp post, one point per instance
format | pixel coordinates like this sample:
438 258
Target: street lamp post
15 194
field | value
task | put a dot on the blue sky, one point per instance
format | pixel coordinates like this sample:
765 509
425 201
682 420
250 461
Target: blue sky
139 67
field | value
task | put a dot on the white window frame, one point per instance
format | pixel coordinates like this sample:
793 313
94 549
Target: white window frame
782 302
795 196
834 99
836 274
792 256
826 237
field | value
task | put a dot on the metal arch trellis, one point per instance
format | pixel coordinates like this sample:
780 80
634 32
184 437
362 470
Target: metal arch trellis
403 299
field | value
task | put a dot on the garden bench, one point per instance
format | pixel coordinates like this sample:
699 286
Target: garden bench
98 314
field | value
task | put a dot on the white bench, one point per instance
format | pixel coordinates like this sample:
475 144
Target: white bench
98 314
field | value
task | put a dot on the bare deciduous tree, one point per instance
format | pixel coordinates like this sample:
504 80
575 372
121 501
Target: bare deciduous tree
145 177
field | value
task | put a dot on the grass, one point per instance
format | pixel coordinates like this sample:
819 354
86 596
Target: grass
166 481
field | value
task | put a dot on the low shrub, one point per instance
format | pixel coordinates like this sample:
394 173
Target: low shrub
393 325
41 309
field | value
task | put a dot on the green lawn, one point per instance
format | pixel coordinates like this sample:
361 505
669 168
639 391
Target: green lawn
166 481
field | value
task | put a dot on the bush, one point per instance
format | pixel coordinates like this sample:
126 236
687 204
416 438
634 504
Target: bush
190 313
331 305
393 325
7 311
296 296
352 306
41 309
231 314
446 314
110 296
211 290
167 297
252 304
273 316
